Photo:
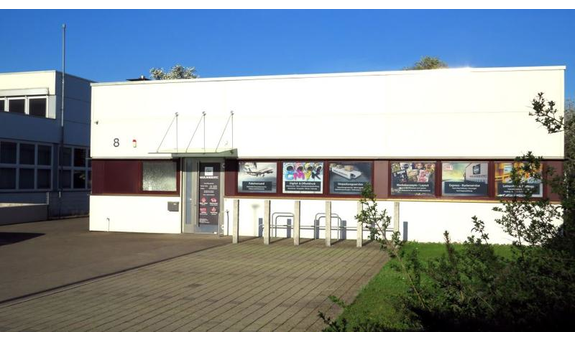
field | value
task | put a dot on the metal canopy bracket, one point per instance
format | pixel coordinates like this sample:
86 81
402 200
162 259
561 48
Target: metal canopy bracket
204 152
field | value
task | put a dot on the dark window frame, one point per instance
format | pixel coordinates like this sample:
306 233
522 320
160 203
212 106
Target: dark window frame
27 105
18 166
159 191
132 182
45 105
73 168
12 99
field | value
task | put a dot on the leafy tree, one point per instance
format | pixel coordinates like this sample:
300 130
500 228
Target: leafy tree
534 289
176 72
474 289
428 63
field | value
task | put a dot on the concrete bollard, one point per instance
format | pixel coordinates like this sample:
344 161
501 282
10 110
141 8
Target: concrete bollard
267 211
296 222
395 216
236 225
359 243
328 223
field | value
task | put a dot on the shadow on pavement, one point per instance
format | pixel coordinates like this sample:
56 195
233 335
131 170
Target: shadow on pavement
9 238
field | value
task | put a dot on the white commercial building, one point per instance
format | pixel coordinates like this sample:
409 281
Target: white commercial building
211 155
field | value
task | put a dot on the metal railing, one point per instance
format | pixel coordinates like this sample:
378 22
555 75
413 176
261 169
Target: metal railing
288 226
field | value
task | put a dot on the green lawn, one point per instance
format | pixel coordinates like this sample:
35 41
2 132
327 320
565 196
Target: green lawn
380 299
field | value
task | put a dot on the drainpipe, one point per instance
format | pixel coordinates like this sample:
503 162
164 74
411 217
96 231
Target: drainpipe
61 153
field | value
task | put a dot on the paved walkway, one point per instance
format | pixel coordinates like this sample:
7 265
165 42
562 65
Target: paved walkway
44 255
244 287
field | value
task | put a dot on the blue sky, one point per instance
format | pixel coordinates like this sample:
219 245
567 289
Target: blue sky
112 45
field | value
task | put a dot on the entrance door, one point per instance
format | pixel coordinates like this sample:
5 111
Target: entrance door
203 195
209 198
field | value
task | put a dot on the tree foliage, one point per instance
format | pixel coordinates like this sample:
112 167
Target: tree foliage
176 72
534 289
428 63
474 289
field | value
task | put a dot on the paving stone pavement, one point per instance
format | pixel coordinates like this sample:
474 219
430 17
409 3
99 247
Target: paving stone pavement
242 287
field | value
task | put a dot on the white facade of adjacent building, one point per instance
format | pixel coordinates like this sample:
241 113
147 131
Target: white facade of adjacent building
173 156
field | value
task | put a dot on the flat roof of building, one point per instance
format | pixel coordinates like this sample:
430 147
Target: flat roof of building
45 71
334 75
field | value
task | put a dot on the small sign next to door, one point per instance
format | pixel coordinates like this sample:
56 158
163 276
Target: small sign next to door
174 206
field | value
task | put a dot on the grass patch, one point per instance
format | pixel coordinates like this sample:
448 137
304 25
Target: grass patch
380 300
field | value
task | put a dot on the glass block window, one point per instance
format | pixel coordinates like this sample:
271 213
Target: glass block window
159 176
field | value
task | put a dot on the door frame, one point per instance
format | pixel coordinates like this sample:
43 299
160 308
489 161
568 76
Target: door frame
193 173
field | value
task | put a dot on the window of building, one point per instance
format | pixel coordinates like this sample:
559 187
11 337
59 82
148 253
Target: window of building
79 179
33 106
25 166
27 153
349 177
159 176
37 107
65 179
8 152
413 178
44 178
66 159
17 105
76 170
44 155
7 178
26 179
79 157
464 179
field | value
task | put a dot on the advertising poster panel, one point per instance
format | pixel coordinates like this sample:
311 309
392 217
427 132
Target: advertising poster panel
504 185
209 194
257 177
303 177
413 178
464 179
349 178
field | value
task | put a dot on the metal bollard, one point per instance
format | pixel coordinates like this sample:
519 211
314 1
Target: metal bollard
404 231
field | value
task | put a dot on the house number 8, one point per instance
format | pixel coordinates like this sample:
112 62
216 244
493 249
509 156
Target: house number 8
116 142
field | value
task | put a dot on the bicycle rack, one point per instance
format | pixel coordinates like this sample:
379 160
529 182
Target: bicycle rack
288 226
341 225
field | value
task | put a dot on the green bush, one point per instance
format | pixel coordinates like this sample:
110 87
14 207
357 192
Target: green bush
472 288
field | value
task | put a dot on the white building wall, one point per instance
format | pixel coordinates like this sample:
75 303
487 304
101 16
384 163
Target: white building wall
29 80
436 113
455 113
142 214
426 221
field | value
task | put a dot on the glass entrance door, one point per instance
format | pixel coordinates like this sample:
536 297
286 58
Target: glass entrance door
190 187
203 195
209 198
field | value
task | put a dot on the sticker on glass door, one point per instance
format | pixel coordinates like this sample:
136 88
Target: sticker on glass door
209 198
